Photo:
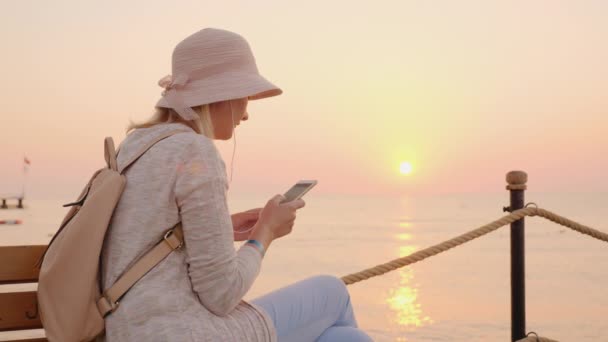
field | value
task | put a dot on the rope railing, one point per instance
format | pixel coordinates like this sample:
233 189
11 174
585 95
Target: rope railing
459 240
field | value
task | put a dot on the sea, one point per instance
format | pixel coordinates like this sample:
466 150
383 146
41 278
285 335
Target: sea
460 295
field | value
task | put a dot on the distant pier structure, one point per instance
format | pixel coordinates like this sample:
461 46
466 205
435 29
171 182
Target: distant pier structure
11 197
19 198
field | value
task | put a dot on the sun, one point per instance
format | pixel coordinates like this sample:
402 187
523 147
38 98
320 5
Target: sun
405 168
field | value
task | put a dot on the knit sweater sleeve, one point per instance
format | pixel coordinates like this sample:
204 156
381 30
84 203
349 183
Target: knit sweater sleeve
220 274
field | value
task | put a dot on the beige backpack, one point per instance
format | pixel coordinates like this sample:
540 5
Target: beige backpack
71 305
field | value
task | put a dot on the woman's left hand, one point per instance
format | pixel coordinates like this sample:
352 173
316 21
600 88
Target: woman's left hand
243 221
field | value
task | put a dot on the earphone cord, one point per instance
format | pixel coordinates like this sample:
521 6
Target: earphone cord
234 145
232 162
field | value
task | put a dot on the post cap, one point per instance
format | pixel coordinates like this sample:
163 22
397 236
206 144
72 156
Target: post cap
517 180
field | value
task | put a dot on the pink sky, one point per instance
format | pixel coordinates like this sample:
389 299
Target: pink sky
465 91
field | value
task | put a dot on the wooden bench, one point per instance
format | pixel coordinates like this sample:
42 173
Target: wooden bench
19 319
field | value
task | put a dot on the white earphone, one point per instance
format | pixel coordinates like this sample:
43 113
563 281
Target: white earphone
232 162
234 145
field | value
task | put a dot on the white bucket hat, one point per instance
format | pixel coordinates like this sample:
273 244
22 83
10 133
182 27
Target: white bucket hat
209 66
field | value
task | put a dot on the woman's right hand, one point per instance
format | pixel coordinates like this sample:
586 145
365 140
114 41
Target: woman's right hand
276 220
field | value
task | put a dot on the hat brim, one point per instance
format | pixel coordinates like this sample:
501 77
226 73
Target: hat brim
222 87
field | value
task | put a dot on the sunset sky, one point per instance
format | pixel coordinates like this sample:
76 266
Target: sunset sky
464 91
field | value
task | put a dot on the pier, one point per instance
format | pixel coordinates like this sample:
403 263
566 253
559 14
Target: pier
11 197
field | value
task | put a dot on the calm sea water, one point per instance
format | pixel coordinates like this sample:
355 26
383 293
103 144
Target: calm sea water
460 295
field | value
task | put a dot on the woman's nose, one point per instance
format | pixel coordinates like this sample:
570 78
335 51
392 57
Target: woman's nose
245 116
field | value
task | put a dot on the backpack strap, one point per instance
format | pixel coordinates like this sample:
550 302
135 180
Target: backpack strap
110 153
147 147
171 241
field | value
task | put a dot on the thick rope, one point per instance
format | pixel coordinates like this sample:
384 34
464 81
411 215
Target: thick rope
571 224
459 240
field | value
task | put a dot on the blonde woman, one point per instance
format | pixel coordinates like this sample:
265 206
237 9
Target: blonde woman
196 293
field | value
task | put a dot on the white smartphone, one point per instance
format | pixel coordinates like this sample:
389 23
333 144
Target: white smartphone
298 190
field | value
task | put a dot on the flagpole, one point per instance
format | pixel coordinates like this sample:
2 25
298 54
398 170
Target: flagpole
25 163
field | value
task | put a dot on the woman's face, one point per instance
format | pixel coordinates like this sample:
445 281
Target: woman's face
221 116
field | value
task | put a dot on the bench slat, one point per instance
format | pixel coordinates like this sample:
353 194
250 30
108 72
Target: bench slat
18 263
35 335
19 319
19 310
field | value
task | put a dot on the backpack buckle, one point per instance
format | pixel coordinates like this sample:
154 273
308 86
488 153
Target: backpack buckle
172 240
106 306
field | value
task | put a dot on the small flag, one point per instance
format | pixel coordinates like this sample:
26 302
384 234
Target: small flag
26 164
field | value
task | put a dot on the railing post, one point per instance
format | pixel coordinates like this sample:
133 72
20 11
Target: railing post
517 185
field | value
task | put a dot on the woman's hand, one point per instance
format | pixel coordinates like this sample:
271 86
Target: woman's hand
276 220
243 221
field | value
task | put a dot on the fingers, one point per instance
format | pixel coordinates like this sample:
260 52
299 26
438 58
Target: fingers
277 199
251 214
297 204
245 217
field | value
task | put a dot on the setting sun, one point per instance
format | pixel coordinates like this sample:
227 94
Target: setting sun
405 168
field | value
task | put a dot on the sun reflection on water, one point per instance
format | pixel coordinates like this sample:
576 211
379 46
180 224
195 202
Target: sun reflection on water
404 236
404 299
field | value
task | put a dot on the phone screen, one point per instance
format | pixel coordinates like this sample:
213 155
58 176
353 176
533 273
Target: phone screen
297 191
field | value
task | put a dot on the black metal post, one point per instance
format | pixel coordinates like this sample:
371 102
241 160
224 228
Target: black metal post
517 185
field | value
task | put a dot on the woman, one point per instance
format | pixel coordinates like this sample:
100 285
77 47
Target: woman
196 293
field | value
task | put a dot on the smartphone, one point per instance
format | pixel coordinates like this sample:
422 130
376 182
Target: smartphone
298 190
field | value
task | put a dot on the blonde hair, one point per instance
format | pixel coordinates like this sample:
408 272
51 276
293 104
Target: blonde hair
202 124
